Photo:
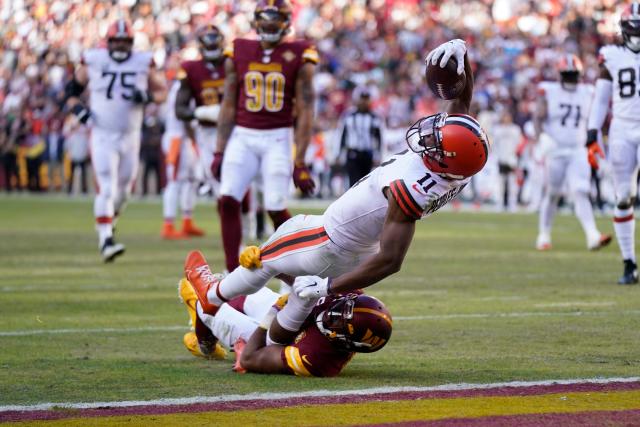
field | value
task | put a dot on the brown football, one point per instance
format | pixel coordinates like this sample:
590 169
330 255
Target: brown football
445 82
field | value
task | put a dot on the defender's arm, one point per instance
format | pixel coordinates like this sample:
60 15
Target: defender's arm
183 101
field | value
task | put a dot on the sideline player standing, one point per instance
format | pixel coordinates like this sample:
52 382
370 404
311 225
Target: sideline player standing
620 76
120 83
561 115
264 78
202 81
181 166
364 236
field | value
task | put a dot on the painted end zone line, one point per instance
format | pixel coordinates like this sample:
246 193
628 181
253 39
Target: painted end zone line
391 392
22 333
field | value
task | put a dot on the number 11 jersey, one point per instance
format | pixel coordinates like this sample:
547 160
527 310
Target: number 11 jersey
111 87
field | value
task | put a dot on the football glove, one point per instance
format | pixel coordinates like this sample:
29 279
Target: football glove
311 287
207 113
81 112
216 165
456 48
302 178
593 148
141 96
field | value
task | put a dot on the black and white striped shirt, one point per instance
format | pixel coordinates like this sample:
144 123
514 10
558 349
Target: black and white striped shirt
361 131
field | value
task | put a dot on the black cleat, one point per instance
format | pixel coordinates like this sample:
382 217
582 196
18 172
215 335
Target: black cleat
110 250
630 275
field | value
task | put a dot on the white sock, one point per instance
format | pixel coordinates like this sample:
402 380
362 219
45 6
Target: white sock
625 226
548 208
170 199
188 191
104 232
228 324
293 315
240 281
584 213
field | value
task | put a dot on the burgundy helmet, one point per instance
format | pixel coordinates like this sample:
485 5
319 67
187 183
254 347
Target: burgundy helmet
272 19
356 322
211 42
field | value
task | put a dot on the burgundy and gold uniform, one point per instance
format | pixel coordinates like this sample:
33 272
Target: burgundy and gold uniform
266 81
312 353
205 80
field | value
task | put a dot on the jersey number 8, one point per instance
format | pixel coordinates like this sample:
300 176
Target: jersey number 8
627 81
264 91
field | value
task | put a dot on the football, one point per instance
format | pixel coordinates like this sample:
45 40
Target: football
445 82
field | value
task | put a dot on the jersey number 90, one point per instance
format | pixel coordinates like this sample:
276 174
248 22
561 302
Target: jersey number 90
264 91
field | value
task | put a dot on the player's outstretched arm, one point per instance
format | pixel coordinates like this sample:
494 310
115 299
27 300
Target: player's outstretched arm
397 234
227 116
261 358
462 104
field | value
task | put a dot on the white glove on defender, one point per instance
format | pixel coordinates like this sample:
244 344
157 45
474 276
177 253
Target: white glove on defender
311 287
208 113
456 48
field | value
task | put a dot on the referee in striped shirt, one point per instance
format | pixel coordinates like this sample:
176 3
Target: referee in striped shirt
361 136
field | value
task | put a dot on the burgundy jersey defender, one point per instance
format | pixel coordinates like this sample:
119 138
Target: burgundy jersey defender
313 354
205 80
266 81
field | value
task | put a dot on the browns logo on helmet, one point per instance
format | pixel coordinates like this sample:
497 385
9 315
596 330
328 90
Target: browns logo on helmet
452 145
272 19
630 26
211 42
120 40
356 322
570 69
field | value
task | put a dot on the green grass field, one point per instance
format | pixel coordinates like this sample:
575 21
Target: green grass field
474 302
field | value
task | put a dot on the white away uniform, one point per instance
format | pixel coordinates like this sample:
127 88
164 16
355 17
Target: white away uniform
566 125
349 231
565 130
624 132
180 159
116 125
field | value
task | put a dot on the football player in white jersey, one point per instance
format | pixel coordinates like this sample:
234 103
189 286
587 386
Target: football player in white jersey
120 83
182 169
364 235
561 118
619 82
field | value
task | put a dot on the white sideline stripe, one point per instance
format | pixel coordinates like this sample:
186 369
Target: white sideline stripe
424 317
94 330
315 393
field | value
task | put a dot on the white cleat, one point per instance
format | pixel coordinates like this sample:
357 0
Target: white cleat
602 241
543 242
110 250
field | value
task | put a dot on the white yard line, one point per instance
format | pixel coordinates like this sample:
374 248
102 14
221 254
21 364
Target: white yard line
315 393
21 333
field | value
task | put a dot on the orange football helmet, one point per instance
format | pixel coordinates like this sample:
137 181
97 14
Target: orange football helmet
452 145
120 40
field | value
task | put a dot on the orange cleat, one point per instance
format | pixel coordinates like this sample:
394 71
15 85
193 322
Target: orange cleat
170 233
190 230
603 241
238 348
201 279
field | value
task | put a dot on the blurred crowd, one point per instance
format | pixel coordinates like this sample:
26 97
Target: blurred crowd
379 44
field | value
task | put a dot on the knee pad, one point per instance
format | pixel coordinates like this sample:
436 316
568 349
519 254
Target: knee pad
279 217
